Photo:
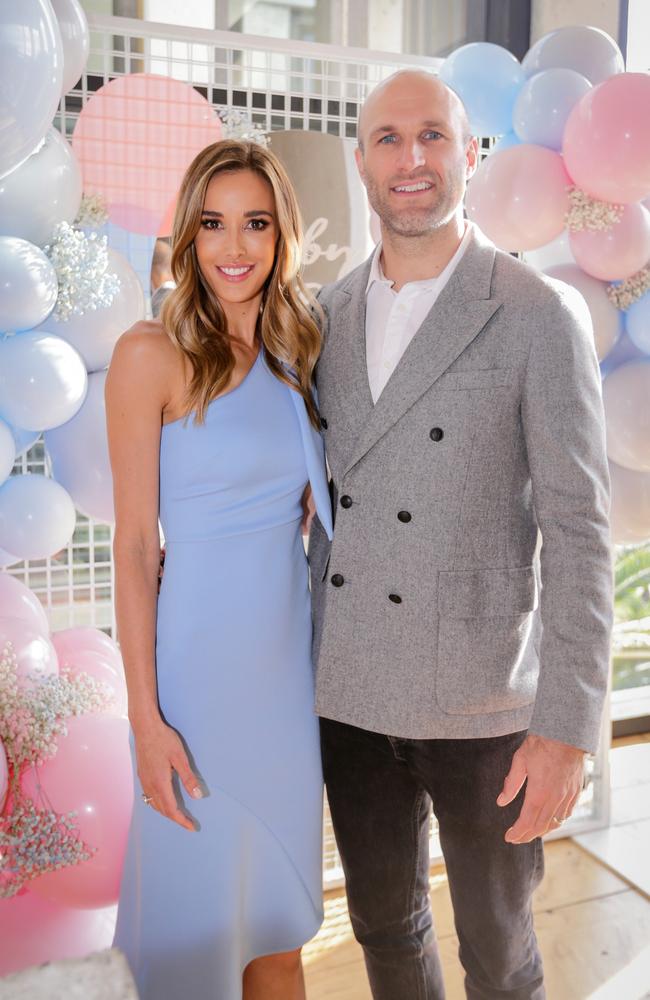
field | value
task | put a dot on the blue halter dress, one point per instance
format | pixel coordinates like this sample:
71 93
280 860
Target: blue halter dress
233 661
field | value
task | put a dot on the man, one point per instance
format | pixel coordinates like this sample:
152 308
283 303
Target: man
460 400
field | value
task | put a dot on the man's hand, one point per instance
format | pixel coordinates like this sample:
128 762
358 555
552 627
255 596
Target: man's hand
553 773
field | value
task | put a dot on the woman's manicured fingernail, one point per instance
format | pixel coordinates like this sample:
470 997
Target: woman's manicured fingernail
197 793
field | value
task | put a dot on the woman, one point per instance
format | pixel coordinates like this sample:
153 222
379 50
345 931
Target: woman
212 425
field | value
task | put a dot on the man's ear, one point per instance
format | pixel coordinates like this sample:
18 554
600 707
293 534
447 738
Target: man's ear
471 158
358 155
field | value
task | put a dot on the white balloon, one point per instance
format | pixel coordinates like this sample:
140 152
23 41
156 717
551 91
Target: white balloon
75 38
607 320
586 50
43 380
43 190
31 74
556 252
95 333
28 282
630 510
7 451
79 454
626 392
37 516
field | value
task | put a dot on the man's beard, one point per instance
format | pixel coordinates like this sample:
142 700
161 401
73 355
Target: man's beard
414 222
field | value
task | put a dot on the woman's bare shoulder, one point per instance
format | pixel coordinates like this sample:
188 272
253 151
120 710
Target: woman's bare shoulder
145 362
147 341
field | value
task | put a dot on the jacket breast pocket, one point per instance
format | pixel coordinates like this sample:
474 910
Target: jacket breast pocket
479 378
486 662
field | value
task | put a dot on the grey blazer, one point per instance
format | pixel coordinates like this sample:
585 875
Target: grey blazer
432 616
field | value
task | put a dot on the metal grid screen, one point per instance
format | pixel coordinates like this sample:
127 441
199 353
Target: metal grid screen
281 85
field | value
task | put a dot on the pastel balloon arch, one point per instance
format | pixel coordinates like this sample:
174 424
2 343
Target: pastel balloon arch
567 185
68 294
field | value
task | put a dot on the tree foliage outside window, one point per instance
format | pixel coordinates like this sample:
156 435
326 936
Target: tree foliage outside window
631 641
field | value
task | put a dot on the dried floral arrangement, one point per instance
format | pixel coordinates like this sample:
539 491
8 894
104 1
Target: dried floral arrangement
81 264
34 839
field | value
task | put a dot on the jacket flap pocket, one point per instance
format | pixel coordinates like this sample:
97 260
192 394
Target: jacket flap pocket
487 593
482 378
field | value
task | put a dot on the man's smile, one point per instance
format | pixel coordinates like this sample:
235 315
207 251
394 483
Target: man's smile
411 188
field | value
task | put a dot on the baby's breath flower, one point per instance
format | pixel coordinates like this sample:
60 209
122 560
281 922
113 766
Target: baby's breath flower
625 293
586 212
35 839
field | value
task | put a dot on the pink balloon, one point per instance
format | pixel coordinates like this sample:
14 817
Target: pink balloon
135 138
606 319
90 774
4 775
102 668
69 642
519 197
606 142
35 930
630 511
18 601
626 391
616 253
36 656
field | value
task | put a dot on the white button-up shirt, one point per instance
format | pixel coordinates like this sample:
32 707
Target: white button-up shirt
393 318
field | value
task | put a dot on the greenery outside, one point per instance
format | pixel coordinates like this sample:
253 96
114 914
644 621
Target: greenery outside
631 640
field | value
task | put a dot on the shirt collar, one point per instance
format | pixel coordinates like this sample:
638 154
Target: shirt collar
377 274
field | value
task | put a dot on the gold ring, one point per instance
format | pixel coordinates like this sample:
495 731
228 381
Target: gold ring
147 799
557 820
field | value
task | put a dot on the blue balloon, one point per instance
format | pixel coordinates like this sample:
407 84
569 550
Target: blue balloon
637 323
24 439
487 78
37 517
29 285
43 380
78 452
7 451
544 103
8 559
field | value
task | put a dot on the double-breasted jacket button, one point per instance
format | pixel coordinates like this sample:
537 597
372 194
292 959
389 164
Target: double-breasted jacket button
395 598
346 501
337 580
436 433
323 423
404 516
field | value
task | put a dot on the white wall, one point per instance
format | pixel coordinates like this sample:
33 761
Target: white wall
549 14
638 36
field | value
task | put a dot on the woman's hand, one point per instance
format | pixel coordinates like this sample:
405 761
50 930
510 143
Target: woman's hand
308 509
159 752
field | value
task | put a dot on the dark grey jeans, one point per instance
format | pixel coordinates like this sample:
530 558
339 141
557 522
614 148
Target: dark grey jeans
380 791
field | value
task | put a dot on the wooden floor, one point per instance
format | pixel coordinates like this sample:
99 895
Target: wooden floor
593 927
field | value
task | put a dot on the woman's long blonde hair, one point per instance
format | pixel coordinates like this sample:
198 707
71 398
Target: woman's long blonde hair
192 315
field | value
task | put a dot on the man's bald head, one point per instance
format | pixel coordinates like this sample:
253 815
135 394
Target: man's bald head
415 153
408 85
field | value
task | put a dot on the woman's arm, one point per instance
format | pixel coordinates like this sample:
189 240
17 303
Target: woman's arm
137 390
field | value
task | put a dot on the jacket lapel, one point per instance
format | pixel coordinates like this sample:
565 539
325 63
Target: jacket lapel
457 317
344 368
